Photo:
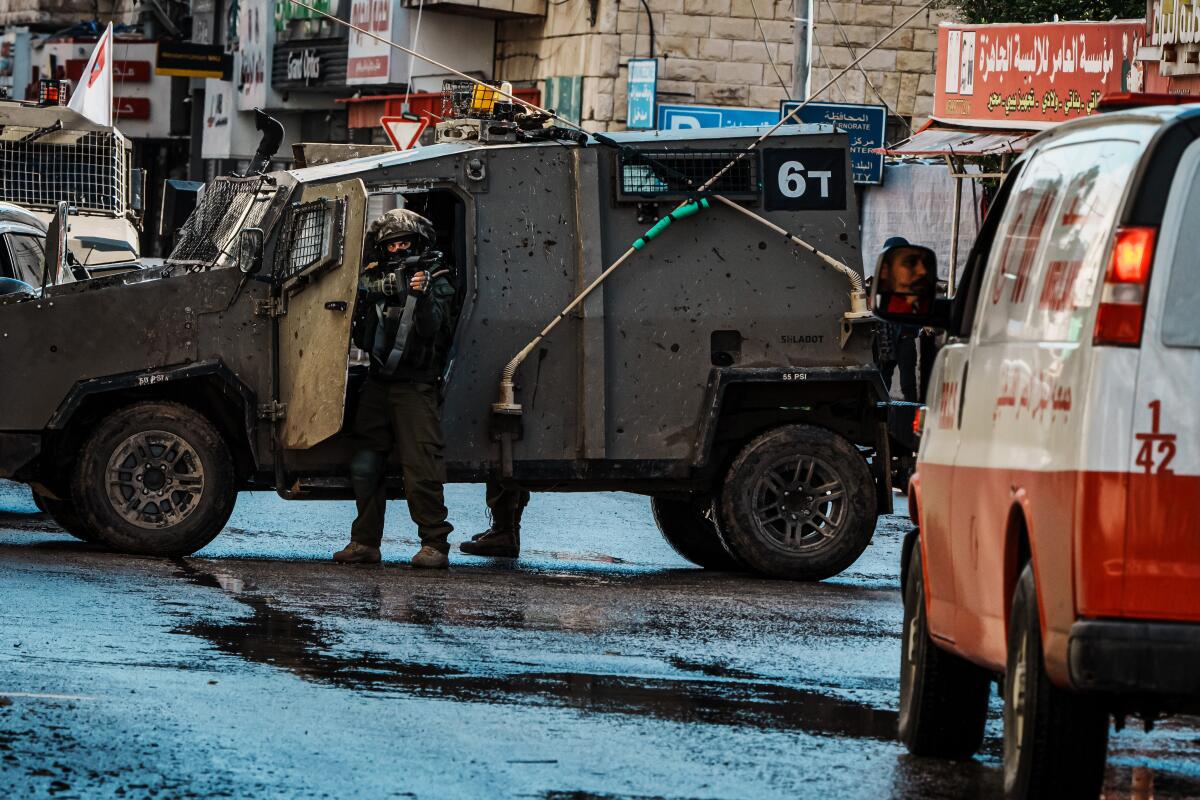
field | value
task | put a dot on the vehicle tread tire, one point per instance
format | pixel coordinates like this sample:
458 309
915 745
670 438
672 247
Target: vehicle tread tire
66 517
196 530
943 697
691 533
739 530
1064 736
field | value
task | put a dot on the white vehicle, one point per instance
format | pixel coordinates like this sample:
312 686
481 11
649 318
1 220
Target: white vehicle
51 154
1058 479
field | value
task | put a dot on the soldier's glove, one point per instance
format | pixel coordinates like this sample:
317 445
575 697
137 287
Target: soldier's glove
419 283
389 285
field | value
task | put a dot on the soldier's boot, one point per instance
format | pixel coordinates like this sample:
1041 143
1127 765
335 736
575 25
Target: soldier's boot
498 541
356 553
430 558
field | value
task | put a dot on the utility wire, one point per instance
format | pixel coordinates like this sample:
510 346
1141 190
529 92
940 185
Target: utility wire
858 302
787 90
846 40
416 37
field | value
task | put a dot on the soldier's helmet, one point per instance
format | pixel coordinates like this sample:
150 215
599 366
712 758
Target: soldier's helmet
401 223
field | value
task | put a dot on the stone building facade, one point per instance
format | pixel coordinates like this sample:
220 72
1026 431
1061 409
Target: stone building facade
719 52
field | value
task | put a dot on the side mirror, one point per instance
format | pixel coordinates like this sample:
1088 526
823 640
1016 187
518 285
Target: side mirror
137 189
905 286
250 250
53 269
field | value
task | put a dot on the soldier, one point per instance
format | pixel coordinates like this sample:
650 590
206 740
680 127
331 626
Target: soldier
403 320
503 539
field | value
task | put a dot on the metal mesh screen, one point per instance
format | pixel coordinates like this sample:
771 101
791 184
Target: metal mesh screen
228 205
655 173
307 239
86 169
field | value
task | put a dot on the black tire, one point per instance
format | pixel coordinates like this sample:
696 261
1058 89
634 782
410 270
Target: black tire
155 479
687 526
784 519
65 516
1055 741
943 697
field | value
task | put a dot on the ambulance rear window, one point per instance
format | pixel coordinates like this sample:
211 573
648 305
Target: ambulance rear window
1047 259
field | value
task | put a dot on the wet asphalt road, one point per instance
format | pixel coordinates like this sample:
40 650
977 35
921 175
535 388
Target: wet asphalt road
600 665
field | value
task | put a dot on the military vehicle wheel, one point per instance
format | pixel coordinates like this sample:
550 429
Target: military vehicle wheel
155 479
799 503
65 516
691 533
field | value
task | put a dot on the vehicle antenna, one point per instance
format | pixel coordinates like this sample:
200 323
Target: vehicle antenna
858 303
440 65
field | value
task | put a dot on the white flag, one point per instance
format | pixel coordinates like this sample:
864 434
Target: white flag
93 97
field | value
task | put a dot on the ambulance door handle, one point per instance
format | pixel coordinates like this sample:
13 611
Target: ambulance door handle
962 394
336 305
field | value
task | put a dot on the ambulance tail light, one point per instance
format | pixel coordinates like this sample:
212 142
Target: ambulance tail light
1126 284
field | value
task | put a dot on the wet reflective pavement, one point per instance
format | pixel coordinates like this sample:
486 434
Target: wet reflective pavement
599 665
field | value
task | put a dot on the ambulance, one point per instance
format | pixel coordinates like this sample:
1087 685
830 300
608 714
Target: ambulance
1057 492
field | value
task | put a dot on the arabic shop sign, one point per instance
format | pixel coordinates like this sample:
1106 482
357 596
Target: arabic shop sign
1031 76
642 90
865 125
1175 22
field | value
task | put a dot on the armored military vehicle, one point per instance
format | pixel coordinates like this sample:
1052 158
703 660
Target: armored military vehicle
722 371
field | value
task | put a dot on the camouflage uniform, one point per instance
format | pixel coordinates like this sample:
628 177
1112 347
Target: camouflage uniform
398 407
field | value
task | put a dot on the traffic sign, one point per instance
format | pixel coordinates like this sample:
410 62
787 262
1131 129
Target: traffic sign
865 124
404 131
689 117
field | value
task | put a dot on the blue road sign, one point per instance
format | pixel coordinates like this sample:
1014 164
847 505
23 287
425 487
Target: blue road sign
641 91
682 117
866 125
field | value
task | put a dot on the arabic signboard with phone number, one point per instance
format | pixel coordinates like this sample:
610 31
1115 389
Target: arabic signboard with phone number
1032 76
866 125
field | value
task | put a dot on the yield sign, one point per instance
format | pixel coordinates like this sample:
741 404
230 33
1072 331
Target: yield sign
404 131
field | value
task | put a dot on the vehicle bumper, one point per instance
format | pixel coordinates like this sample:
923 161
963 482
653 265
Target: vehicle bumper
17 450
1135 657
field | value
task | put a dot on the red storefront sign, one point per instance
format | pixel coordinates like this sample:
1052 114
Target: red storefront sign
1031 76
123 71
130 108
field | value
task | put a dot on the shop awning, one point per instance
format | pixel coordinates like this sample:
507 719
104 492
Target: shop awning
938 142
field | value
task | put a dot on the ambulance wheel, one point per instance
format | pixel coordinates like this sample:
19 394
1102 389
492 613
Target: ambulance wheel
155 479
65 516
687 526
799 503
943 697
1055 741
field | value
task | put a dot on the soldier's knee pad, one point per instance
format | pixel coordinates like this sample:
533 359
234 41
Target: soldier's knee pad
366 470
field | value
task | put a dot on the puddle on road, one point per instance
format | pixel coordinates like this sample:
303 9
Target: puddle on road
287 640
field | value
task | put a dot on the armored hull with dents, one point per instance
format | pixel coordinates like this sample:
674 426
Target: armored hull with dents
716 371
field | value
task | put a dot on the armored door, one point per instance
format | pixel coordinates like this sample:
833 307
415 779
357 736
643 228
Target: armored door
317 260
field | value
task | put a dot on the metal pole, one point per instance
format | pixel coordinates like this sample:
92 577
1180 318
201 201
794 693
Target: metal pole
950 291
802 42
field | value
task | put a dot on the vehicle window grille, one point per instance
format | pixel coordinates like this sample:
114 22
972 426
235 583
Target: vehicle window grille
227 206
657 173
308 243
40 167
312 238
